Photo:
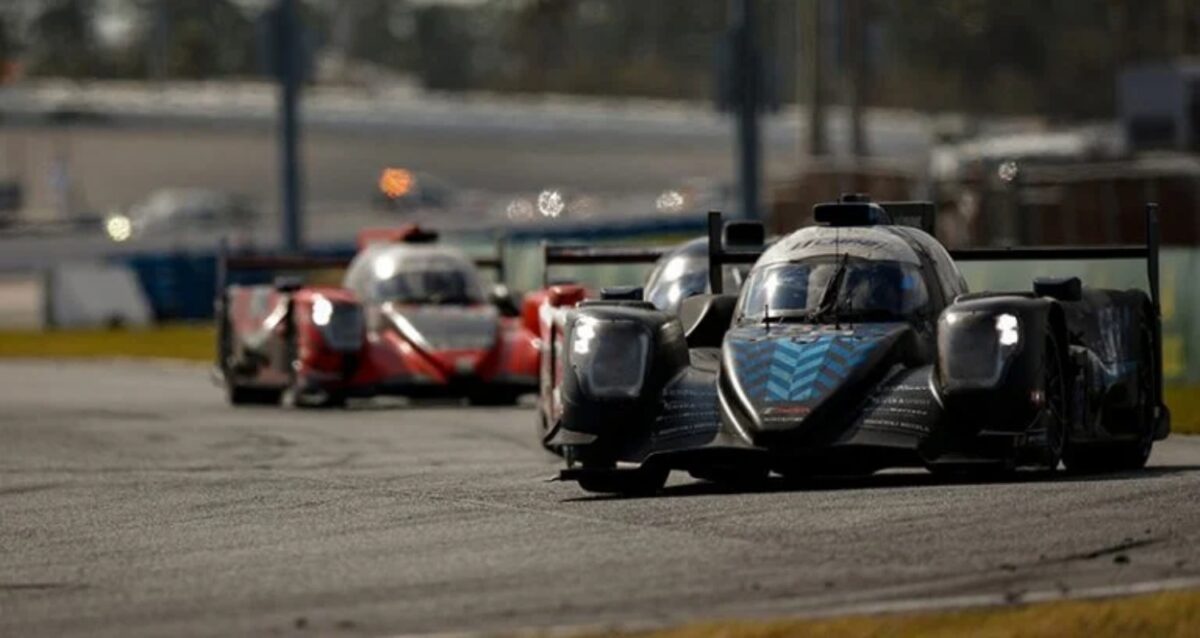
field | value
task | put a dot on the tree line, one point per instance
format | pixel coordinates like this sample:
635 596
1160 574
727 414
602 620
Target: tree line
1055 57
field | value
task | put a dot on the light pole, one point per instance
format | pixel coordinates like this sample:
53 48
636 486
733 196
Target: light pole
747 84
289 72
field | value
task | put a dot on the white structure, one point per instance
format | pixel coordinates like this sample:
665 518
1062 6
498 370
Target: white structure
1159 106
83 295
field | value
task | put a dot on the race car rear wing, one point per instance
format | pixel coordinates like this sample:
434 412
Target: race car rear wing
1148 251
734 242
256 262
564 254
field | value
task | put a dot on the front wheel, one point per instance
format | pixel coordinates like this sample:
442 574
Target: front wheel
738 477
644 481
1056 412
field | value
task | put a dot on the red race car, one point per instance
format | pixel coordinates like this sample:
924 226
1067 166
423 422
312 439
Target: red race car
412 317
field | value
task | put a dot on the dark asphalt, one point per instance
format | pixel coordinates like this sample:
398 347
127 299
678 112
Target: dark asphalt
134 502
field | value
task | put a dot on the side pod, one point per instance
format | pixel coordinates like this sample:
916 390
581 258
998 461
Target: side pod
991 354
617 357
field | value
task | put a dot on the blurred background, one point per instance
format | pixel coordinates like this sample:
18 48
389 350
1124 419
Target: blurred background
135 135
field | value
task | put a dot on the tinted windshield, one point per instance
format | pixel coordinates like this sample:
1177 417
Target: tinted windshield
684 276
448 286
861 291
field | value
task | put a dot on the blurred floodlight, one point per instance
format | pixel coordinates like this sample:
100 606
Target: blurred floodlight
584 206
118 227
519 210
550 203
669 201
395 182
1008 171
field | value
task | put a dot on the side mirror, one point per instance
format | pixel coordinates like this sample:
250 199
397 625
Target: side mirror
1060 288
626 293
501 297
744 234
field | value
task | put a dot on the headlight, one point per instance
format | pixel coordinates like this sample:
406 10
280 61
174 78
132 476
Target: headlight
975 347
340 324
322 311
609 357
1009 329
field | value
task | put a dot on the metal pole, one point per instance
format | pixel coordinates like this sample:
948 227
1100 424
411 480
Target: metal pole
854 41
289 89
716 274
747 70
814 47
1153 244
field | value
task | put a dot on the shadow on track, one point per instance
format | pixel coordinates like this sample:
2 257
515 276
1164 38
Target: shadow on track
891 480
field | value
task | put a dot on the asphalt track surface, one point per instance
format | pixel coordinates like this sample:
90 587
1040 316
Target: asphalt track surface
134 502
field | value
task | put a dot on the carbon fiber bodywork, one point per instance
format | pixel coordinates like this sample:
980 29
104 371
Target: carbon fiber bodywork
999 380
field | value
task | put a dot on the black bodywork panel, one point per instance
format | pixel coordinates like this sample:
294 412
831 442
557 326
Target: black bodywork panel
962 381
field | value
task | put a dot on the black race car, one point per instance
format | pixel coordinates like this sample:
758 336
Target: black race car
678 272
853 346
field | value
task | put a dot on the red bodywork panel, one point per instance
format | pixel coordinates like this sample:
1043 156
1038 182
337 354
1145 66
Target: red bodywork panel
546 308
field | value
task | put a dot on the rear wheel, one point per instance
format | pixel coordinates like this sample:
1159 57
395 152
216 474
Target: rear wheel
1124 455
1055 413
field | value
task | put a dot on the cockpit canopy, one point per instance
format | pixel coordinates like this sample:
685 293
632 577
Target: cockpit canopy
823 274
415 274
683 273
821 289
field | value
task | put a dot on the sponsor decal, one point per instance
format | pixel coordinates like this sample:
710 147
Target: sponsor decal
788 410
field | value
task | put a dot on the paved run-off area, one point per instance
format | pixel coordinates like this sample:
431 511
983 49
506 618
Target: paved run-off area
134 502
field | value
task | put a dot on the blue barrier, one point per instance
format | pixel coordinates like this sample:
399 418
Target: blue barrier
180 286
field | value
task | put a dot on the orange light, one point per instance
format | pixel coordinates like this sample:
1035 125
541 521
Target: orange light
395 182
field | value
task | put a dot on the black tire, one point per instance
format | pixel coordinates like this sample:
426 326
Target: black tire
323 400
1056 410
1124 456
645 481
543 431
297 397
243 396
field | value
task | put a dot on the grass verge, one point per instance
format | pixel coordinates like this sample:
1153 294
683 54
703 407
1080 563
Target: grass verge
1184 401
190 342
1168 614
